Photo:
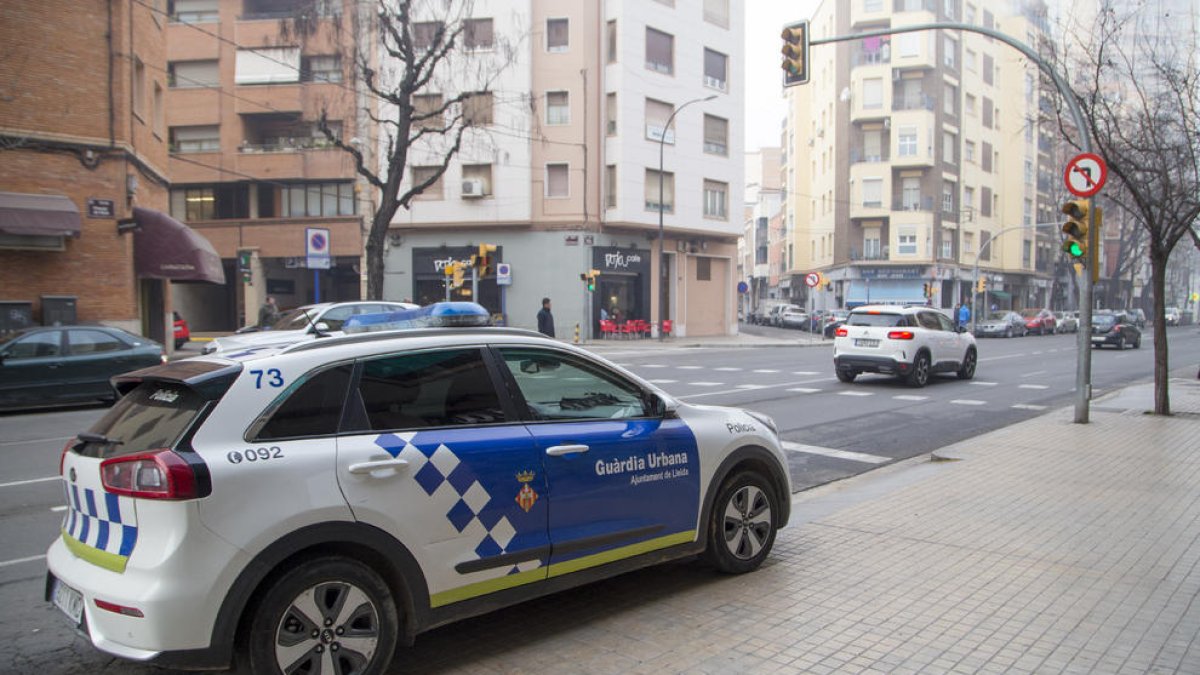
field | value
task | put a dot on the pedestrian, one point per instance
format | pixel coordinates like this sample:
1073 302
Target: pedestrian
964 315
603 314
268 314
545 319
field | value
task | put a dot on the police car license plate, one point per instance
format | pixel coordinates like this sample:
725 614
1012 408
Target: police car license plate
69 600
866 342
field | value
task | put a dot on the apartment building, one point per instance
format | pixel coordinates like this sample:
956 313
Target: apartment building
247 81
913 158
83 170
561 167
764 236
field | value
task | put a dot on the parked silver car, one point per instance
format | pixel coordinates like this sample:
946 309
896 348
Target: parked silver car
1001 324
1068 322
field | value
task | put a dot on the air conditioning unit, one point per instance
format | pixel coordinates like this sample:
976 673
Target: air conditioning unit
472 188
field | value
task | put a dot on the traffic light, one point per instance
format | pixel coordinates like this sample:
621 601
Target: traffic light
454 274
982 285
589 277
458 276
1076 229
484 260
247 272
927 290
795 54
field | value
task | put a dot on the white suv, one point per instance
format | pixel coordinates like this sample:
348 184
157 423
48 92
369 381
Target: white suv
909 342
307 508
303 323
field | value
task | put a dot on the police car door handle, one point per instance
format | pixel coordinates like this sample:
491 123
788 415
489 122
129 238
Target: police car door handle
558 450
377 465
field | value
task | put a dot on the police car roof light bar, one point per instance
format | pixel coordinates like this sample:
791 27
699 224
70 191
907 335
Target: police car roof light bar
437 315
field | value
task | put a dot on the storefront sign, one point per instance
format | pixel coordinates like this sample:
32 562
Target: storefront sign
612 259
906 272
100 208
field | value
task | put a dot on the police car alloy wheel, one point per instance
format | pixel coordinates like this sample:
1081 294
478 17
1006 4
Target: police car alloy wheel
742 527
330 615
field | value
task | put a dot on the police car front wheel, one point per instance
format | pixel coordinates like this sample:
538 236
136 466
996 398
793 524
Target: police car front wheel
742 525
329 615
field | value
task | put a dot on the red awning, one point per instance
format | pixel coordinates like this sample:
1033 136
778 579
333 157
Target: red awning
38 215
164 248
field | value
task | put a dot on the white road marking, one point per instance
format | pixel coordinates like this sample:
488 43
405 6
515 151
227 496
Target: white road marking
727 369
766 370
1037 353
652 365
856 393
58 509
968 401
840 454
805 372
31 481
689 367
804 390
752 386
910 397
1033 386
18 561
1028 406
36 440
769 386
706 384
984 384
662 381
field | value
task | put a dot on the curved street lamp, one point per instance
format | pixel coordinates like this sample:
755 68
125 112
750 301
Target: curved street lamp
662 244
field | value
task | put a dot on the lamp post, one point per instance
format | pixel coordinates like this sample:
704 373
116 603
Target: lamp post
662 244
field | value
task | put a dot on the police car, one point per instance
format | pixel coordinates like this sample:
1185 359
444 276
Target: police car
306 508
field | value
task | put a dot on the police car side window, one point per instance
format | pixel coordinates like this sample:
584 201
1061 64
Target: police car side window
429 389
557 386
312 408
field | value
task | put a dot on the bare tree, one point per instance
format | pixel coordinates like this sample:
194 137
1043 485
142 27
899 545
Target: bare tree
1138 86
406 53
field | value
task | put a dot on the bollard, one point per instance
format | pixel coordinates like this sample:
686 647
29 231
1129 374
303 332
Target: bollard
576 333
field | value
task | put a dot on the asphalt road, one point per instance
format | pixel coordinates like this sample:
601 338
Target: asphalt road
832 429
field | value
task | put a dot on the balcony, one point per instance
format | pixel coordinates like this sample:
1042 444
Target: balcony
870 255
914 102
870 58
923 203
270 161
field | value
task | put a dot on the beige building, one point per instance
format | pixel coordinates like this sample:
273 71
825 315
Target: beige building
561 171
911 158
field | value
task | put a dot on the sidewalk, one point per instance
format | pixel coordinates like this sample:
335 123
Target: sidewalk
1043 547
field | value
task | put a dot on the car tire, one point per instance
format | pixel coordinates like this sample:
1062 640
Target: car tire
919 375
280 630
1121 343
1137 342
180 343
846 375
741 529
967 370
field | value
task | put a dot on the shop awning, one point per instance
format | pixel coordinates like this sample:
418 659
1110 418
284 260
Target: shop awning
164 248
1000 295
32 215
886 291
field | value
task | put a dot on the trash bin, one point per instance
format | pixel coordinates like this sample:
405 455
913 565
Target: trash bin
15 315
58 310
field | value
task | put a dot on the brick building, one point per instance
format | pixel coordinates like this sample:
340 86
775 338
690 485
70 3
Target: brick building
83 143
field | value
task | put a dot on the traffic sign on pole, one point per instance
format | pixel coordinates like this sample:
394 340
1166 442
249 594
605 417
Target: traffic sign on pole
1085 174
812 279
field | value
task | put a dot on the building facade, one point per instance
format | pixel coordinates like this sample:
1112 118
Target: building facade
915 159
562 172
247 82
83 171
763 234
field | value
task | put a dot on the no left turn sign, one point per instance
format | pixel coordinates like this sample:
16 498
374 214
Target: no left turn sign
812 279
1086 174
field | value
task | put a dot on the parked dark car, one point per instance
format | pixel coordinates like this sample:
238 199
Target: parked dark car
182 332
834 320
70 364
1040 321
1116 329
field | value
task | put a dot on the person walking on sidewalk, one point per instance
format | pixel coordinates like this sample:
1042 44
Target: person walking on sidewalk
268 314
545 319
964 315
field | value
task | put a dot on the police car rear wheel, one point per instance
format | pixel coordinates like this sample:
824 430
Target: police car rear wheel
330 615
742 526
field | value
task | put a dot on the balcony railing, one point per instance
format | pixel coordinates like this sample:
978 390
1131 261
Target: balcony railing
917 102
864 58
857 155
924 203
871 254
286 145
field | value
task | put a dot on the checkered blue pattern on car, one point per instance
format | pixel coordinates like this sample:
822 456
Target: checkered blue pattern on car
101 520
436 468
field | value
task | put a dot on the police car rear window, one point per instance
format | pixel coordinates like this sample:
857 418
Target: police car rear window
152 416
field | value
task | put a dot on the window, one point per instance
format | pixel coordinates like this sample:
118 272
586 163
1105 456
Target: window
872 93
948 197
610 186
947 244
321 68
434 192
969 151
969 57
477 109
480 174
427 389
908 44
704 269
871 247
950 51
193 11
906 242
610 113
873 146
1029 172
872 192
968 242
716 197
195 139
986 162
313 409
657 114
989 69
184 74
907 142
652 191
716 12
872 5
1027 254
969 13
948 9
426 34
611 40
477 34
716 135
318 199
93 342
716 66
968 197
578 390
558 107
950 99
557 35
970 103
949 147
158 112
1027 214
557 180
660 51
139 87
268 65
910 194
427 111
985 251
985 202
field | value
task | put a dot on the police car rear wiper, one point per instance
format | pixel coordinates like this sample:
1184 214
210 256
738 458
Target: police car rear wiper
89 437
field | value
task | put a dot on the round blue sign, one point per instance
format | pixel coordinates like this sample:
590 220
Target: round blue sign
743 287
318 242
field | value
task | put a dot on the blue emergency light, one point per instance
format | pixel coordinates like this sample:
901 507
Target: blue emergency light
437 315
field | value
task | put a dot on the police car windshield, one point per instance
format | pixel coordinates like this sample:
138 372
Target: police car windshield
152 416
880 319
297 319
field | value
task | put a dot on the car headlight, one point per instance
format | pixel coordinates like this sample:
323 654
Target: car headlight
765 419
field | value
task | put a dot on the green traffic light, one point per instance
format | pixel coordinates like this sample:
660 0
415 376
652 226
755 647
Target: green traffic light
1073 249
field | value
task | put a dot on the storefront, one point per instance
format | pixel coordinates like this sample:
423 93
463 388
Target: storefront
623 289
888 285
429 276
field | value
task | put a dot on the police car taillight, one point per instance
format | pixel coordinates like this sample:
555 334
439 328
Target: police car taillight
158 474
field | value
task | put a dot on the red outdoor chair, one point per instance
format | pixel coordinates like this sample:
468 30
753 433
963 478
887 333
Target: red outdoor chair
608 328
666 327
629 329
645 328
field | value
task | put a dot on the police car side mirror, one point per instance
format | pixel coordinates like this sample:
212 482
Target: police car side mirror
661 406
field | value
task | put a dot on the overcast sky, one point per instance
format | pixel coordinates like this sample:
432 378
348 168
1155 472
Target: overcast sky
764 76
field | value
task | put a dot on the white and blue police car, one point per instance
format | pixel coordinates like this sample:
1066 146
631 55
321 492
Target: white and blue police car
308 508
